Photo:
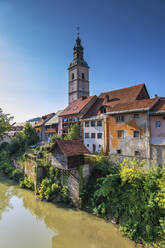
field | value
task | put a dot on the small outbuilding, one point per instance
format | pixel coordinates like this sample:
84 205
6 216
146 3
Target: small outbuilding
68 154
68 158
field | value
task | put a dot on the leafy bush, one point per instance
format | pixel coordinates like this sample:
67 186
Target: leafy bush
133 195
48 188
27 183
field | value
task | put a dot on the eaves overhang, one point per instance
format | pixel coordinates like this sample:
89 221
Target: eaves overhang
128 111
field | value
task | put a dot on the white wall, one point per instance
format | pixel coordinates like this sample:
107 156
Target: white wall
89 142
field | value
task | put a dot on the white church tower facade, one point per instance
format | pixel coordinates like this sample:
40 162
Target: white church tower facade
78 74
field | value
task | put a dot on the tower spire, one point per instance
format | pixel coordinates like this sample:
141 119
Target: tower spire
78 30
78 72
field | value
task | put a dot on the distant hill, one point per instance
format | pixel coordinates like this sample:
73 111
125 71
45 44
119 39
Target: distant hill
34 119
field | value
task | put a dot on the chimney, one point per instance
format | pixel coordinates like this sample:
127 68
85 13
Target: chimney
156 96
107 98
84 97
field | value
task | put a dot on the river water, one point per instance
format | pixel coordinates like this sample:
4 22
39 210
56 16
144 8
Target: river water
29 223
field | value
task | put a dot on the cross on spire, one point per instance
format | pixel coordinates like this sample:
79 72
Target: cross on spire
78 30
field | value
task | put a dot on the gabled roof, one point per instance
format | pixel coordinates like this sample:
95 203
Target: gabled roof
159 107
77 106
138 105
54 119
93 111
123 95
44 119
70 147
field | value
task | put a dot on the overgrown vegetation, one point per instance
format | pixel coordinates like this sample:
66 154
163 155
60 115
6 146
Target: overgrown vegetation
74 133
54 138
27 183
7 167
22 141
132 194
51 187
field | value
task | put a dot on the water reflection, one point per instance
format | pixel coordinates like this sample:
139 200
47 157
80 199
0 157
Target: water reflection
71 229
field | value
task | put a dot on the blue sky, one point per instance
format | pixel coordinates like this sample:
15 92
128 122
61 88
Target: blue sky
124 44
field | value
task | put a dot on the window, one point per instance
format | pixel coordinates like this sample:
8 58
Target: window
103 109
136 116
93 135
118 151
65 120
136 134
99 135
87 145
92 123
87 135
86 123
137 153
83 76
120 134
99 146
120 118
158 124
99 123
72 75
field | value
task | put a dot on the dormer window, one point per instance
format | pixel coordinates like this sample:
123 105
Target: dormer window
72 75
103 110
83 76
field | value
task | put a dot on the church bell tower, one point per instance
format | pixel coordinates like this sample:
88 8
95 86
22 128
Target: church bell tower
78 73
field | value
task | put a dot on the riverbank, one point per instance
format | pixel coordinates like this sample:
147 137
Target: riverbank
49 225
130 194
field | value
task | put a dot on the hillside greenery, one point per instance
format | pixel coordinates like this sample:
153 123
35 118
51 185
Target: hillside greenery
5 125
132 194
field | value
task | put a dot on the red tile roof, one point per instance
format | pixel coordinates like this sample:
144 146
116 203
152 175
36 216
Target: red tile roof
93 111
70 147
138 105
44 119
77 106
123 95
159 107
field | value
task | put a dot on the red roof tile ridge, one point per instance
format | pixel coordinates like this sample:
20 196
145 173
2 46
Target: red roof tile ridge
76 147
76 103
133 86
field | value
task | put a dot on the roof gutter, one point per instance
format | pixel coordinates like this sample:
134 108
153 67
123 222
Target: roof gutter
127 111
157 112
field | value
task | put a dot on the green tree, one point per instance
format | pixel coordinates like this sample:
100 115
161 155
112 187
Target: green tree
18 144
23 140
74 133
30 135
4 123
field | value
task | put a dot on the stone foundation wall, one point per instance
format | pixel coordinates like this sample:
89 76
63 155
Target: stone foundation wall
158 154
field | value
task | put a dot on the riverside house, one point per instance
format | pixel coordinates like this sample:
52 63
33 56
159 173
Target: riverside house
40 126
74 113
52 126
157 129
129 132
93 127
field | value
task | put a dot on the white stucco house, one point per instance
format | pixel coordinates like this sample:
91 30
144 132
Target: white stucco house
93 128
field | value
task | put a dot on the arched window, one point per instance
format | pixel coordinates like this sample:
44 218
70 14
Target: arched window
72 75
83 76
